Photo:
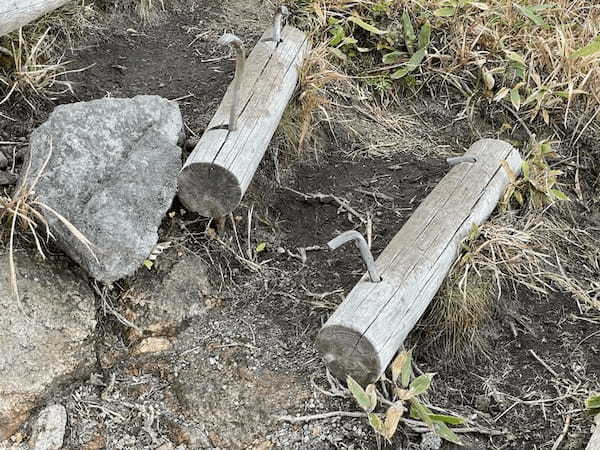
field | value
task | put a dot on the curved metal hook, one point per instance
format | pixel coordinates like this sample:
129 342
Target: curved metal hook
236 43
460 159
367 257
281 13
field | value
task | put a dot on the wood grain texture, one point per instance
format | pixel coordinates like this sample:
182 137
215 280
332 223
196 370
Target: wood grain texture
594 443
16 13
368 328
220 169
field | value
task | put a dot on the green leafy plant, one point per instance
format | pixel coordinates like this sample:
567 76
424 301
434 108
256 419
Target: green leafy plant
415 45
382 7
348 40
592 404
343 44
539 182
407 391
591 49
533 13
543 96
381 83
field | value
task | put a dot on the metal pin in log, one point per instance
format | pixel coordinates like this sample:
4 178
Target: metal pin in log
282 13
453 161
362 245
240 61
218 172
364 333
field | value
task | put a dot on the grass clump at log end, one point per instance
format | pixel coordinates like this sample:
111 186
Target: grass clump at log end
454 321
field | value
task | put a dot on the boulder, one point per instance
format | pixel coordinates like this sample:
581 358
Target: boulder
111 173
44 339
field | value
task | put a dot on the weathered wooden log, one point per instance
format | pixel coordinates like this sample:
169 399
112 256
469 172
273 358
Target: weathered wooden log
219 170
367 329
16 13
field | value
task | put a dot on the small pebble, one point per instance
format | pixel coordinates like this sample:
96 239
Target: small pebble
151 345
482 403
49 429
430 441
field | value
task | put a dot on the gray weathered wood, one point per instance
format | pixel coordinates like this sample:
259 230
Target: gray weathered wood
594 443
364 333
16 13
219 170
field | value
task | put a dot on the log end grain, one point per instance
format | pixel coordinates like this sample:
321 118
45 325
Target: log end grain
208 189
348 352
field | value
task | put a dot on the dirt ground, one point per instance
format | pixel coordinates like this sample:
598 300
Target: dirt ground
247 356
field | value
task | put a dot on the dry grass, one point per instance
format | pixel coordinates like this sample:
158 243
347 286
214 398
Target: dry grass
23 211
453 323
542 253
525 56
29 70
32 59
147 11
316 75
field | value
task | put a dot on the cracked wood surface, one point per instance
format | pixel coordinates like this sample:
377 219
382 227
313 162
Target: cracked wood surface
220 169
365 332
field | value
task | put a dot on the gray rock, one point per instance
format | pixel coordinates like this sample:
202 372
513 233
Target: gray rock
7 178
482 403
430 441
49 429
112 174
3 161
160 304
43 341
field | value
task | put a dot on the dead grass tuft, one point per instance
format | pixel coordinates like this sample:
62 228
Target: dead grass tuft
148 11
24 212
453 323
32 59
543 253
28 69
316 74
